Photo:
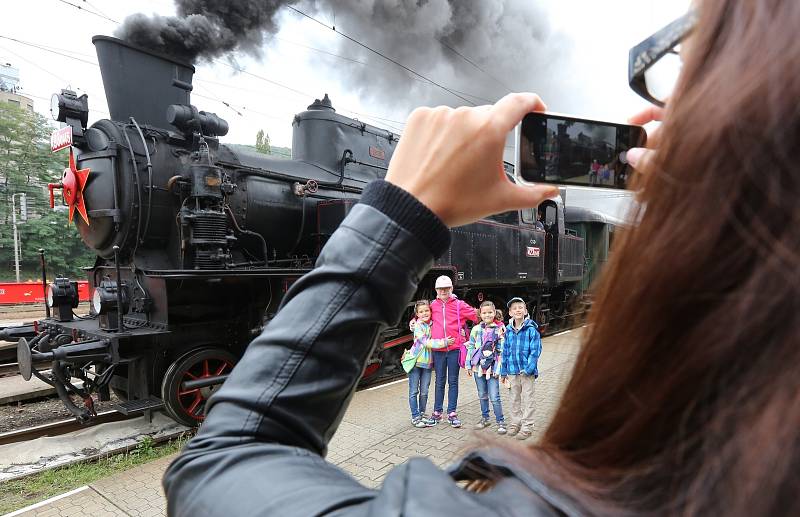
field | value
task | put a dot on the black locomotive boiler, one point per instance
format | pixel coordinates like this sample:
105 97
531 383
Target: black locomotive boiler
197 242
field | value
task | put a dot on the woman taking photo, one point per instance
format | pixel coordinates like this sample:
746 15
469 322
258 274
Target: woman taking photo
685 398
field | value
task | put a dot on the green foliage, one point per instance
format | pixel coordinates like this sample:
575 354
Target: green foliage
66 254
27 165
274 150
262 142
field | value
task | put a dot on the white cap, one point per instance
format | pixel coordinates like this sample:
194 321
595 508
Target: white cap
443 281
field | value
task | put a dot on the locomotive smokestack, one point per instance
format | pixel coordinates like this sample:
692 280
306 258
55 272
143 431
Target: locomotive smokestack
140 83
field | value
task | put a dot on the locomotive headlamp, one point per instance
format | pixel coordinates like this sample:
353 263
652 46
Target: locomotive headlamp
62 297
97 300
104 303
68 107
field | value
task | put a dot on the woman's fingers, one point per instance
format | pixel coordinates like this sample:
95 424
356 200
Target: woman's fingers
639 157
649 114
517 197
509 110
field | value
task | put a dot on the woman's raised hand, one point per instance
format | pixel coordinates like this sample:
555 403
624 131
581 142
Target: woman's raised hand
639 157
452 160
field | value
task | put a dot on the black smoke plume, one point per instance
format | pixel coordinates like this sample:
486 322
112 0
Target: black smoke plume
477 49
205 29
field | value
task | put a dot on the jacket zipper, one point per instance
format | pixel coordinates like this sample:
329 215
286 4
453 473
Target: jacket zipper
444 320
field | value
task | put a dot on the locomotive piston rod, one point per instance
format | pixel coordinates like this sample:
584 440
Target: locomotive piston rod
205 382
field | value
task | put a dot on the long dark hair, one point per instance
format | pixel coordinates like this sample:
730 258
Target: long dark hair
685 398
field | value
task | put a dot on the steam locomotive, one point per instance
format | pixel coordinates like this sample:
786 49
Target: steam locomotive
197 242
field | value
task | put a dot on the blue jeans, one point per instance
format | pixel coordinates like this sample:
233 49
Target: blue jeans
489 389
446 366
419 380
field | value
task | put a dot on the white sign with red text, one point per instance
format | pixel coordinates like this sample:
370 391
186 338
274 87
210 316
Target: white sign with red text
532 251
61 139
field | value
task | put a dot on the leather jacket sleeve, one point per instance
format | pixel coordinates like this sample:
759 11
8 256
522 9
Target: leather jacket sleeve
260 450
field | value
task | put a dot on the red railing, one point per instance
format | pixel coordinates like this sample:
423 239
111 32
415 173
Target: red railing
13 293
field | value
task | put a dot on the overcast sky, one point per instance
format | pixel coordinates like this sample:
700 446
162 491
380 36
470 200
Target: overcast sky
586 75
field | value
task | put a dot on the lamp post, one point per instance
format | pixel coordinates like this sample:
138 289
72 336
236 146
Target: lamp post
23 216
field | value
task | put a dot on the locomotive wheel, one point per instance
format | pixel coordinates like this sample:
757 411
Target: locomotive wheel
188 406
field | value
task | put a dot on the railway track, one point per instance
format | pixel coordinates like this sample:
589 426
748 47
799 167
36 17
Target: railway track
9 369
59 428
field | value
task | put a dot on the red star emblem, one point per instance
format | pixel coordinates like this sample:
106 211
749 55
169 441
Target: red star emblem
74 181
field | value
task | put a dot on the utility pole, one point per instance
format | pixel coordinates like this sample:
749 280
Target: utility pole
14 225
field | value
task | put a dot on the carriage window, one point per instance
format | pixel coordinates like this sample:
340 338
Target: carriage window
511 217
527 215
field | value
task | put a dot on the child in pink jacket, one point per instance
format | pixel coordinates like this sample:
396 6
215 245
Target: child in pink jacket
448 317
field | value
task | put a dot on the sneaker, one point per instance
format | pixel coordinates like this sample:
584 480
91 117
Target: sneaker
513 429
524 434
429 422
482 424
417 422
453 419
436 415
501 428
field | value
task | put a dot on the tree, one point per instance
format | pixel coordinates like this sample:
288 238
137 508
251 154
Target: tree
262 142
65 251
27 165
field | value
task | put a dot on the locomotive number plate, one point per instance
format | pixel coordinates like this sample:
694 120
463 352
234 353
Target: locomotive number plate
532 251
377 153
61 138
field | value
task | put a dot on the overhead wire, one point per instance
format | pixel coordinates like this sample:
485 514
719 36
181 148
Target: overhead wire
89 11
462 56
87 2
371 65
305 95
384 56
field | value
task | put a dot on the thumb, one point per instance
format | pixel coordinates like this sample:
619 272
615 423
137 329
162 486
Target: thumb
526 196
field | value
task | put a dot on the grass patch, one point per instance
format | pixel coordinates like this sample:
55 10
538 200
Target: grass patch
20 493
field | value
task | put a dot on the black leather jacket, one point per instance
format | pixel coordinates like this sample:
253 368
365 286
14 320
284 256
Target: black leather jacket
261 449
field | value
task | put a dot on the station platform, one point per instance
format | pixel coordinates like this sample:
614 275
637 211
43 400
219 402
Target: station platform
374 436
15 388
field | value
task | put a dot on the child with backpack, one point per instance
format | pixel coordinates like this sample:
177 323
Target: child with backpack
417 362
484 352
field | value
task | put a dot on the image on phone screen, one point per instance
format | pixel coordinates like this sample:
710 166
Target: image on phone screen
573 151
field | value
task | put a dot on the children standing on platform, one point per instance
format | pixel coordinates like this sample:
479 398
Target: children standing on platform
483 364
417 362
519 365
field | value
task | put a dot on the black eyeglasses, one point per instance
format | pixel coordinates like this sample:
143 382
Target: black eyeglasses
654 64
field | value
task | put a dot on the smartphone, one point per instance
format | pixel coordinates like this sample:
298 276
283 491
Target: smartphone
552 148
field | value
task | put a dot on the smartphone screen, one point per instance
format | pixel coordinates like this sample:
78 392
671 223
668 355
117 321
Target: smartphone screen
574 151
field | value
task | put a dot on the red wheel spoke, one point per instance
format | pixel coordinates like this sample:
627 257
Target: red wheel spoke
206 372
188 392
190 375
197 400
221 369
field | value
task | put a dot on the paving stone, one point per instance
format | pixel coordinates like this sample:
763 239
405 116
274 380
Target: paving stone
87 502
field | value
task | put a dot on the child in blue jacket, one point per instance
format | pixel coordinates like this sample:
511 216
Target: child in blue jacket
519 365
